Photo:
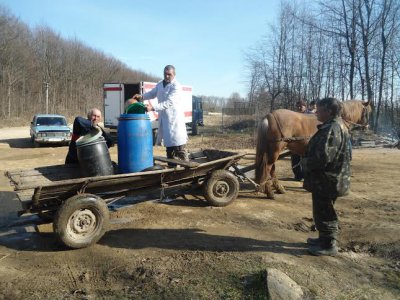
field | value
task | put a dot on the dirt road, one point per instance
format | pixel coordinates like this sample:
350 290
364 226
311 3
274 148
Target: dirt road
186 249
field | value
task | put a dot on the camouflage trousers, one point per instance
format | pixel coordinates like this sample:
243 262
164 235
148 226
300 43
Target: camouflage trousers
325 217
178 152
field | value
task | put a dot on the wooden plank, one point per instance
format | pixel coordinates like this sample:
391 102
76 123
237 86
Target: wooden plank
23 179
45 170
227 161
110 185
187 164
25 195
85 180
34 181
61 174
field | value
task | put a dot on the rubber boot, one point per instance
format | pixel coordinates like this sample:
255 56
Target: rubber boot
313 241
324 247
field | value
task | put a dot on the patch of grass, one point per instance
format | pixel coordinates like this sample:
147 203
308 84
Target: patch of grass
242 125
360 293
388 251
393 278
255 286
196 276
221 141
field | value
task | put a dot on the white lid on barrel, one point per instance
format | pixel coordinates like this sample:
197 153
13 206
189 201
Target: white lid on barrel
93 135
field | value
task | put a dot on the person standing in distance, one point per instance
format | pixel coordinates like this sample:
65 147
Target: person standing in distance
312 107
171 117
326 167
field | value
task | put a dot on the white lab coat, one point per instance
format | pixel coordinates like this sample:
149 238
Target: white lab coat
171 115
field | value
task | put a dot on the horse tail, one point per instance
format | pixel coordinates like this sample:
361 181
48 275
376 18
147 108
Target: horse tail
261 149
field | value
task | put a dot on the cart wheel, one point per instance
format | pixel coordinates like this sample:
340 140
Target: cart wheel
221 188
81 221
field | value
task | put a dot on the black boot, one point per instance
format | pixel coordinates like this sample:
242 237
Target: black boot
313 241
325 247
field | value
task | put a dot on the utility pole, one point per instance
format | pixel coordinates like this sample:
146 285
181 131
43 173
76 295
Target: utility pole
47 97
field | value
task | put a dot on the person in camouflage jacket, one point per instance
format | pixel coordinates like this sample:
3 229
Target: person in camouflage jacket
326 166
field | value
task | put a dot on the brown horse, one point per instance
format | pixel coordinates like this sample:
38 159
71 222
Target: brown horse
288 129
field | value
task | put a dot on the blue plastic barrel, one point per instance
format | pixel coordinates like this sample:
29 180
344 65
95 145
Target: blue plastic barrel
135 143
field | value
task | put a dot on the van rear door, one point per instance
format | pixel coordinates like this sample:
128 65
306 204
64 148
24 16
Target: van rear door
112 93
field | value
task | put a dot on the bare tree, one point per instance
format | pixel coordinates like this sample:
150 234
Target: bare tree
339 48
368 25
389 26
74 72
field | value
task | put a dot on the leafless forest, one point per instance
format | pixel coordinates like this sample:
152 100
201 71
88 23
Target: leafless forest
32 60
348 49
342 48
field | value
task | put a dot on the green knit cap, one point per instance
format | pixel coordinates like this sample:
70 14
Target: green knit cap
136 108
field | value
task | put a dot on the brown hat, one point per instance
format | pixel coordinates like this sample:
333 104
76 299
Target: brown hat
301 103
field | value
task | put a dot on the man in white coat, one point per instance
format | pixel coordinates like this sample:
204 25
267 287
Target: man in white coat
171 117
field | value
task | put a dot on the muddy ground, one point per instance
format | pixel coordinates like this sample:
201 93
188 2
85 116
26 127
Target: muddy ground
187 249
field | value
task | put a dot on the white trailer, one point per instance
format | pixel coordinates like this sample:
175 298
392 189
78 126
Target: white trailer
115 95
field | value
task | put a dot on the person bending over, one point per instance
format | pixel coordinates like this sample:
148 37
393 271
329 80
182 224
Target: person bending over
82 127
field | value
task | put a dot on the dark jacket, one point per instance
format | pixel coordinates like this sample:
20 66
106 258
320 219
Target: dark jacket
80 128
326 163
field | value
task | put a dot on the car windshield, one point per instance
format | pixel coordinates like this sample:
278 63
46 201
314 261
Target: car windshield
51 121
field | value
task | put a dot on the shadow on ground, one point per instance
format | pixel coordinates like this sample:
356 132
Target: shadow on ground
24 143
18 143
194 239
9 206
172 239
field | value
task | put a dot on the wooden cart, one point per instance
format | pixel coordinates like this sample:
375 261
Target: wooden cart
78 206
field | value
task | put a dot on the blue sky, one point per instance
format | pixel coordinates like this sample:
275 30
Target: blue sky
204 39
